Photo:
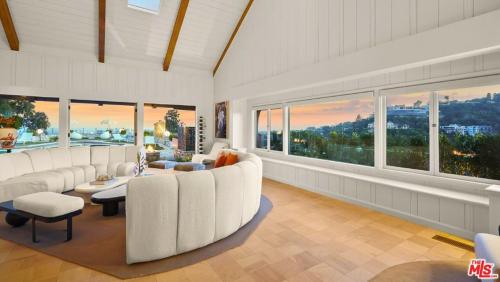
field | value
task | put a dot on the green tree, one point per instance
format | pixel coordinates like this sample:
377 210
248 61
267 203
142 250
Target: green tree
173 120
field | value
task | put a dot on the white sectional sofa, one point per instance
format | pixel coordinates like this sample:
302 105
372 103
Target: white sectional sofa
176 213
61 169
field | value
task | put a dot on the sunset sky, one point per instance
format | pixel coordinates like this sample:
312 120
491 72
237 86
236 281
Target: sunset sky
331 113
51 109
119 116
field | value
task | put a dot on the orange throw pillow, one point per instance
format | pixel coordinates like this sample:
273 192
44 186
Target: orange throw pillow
221 160
231 159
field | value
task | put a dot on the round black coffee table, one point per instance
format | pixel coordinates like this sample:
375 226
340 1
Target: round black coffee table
110 199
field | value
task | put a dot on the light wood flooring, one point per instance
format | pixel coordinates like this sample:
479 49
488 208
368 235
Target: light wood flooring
306 237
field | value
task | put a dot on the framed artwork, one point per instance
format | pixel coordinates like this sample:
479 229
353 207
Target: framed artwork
221 119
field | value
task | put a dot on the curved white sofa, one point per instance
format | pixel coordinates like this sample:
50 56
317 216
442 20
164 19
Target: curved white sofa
61 169
175 213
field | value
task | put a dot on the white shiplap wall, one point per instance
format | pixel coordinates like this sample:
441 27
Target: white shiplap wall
281 36
46 72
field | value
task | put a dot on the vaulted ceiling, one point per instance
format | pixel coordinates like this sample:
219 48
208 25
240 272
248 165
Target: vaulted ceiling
131 34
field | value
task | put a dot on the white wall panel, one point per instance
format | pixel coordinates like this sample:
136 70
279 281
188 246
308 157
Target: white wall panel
452 212
350 188
383 196
450 215
428 207
402 200
6 68
363 191
28 70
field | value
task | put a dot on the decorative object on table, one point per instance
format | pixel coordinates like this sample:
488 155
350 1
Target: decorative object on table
103 180
201 134
8 131
141 161
183 167
221 119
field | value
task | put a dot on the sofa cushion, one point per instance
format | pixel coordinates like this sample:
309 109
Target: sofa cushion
101 169
231 159
69 178
229 200
22 163
250 182
158 207
221 160
80 156
196 223
48 204
126 169
61 157
7 171
19 186
89 172
99 155
78 173
40 159
54 180
117 154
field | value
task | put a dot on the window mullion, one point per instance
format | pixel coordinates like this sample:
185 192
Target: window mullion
286 126
268 129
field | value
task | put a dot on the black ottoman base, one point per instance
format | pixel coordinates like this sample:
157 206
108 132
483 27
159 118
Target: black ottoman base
15 220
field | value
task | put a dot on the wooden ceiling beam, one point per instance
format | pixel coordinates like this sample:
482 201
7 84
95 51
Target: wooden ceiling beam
102 29
8 26
175 34
245 12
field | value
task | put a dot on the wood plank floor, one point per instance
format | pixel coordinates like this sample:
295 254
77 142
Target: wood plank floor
306 237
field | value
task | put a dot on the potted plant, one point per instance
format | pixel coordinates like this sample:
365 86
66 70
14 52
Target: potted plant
8 131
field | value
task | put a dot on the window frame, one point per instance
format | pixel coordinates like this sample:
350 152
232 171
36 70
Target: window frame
433 89
176 107
100 103
255 127
35 99
383 132
329 99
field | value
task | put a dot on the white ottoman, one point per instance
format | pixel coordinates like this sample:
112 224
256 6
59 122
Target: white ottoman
49 207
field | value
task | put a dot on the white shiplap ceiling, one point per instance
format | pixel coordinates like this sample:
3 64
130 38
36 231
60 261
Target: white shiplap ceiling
131 34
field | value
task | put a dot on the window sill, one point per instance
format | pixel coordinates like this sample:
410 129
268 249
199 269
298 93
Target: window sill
439 192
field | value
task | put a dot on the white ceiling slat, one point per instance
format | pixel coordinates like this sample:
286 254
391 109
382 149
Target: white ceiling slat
132 34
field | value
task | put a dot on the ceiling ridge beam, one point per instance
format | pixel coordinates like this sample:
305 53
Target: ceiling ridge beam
233 35
102 29
8 26
175 34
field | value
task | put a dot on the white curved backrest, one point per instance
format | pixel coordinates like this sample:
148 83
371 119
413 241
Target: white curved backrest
212 205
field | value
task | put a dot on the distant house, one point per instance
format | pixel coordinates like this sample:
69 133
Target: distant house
471 130
402 110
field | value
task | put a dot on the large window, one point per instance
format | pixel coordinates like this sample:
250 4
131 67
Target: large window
34 121
341 130
101 123
469 131
169 132
407 131
269 129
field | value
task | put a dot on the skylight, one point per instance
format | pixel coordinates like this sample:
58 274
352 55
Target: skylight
148 6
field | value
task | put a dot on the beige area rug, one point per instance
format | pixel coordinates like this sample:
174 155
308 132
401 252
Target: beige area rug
99 242
423 271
